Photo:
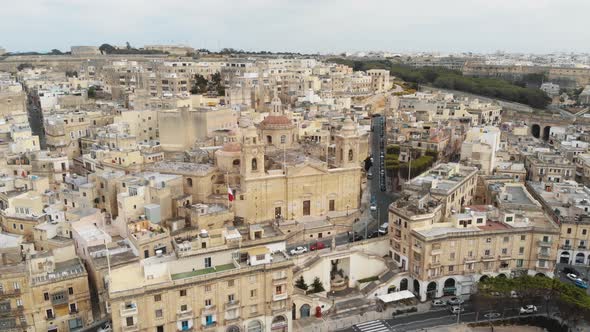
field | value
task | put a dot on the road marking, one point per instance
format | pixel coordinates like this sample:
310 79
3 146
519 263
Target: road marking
372 326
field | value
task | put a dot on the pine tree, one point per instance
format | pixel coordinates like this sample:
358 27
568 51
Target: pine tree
317 285
300 283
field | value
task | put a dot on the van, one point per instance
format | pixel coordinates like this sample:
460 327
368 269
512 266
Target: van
384 228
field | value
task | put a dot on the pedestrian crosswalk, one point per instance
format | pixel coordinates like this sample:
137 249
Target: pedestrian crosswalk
372 326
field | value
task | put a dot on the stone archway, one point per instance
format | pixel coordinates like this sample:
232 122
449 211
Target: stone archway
483 278
279 323
542 275
233 328
580 258
255 326
304 311
536 131
502 275
431 290
564 258
546 132
416 286
450 287
403 284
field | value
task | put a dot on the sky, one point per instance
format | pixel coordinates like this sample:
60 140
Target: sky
307 26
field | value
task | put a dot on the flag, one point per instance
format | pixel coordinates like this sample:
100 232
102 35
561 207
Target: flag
230 194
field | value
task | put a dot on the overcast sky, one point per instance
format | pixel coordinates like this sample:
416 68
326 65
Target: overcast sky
301 25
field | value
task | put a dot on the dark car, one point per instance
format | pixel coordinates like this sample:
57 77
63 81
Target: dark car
353 237
373 235
568 270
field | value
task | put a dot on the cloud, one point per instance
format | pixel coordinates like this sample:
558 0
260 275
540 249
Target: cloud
301 25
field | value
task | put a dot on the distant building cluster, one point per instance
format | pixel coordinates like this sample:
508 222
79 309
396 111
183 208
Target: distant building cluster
165 193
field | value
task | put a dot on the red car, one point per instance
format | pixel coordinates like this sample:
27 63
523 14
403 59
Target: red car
317 246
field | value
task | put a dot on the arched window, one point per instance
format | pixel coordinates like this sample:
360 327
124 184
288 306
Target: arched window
350 155
255 326
254 164
189 182
236 162
269 139
283 139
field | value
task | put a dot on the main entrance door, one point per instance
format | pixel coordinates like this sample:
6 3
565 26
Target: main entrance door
306 208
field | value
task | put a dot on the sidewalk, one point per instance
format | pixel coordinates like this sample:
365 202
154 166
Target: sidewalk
346 317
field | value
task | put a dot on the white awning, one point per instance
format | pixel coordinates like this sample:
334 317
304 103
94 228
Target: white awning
396 296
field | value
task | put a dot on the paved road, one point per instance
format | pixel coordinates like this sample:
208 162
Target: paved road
436 317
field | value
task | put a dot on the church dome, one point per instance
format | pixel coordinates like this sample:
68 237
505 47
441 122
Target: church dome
276 120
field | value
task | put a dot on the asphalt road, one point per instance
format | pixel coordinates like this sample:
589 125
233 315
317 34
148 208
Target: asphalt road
442 316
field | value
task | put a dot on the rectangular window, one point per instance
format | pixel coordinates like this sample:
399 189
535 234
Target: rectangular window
73 308
522 237
49 313
129 321
504 251
183 292
230 298
71 290
207 302
183 307
158 297
332 205
253 293
159 313
451 268
46 296
230 283
519 262
207 288
207 262
521 250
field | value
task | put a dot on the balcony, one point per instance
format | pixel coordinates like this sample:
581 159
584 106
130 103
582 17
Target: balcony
542 243
280 277
231 304
434 264
470 259
208 310
186 329
130 328
4 294
546 267
544 254
187 314
504 269
50 317
566 247
129 310
210 326
580 247
417 249
488 258
279 297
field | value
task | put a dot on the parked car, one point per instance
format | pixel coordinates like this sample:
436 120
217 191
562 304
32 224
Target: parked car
456 309
572 276
298 250
373 207
373 235
528 309
353 237
455 301
369 175
581 283
383 228
438 303
567 270
492 315
317 246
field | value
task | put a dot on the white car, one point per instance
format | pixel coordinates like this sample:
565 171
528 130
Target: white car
438 303
373 207
492 315
105 328
298 251
528 309
456 309
571 276
455 301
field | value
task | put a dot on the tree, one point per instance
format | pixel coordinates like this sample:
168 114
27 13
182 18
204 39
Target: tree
107 49
300 283
317 286
24 65
92 92
56 52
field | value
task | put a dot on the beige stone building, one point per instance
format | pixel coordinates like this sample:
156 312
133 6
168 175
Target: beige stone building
448 255
211 291
59 291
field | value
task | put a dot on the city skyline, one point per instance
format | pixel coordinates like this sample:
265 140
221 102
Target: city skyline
303 26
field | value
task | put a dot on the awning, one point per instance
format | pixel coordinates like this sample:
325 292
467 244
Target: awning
396 296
